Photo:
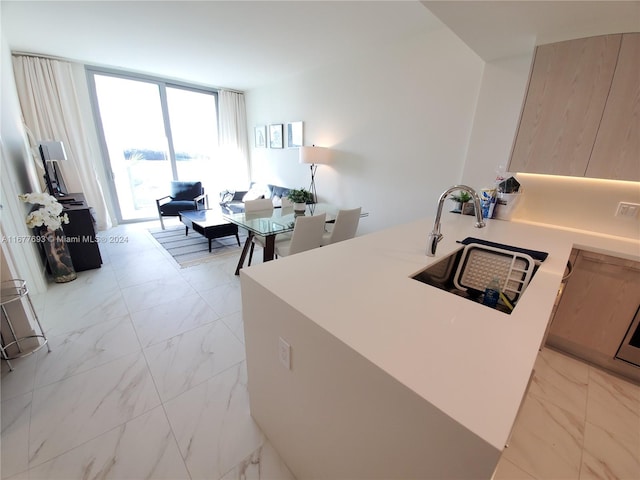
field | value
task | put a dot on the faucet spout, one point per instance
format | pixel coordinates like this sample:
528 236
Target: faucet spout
435 236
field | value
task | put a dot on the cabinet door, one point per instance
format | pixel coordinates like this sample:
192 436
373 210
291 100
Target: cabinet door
563 107
616 153
83 247
598 303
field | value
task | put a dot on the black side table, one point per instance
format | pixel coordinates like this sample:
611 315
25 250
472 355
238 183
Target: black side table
80 233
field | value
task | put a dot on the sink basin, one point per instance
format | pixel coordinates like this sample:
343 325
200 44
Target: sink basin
449 275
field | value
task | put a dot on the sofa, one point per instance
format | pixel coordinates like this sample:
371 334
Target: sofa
232 201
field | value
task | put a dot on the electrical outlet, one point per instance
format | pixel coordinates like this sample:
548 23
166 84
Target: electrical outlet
627 210
284 353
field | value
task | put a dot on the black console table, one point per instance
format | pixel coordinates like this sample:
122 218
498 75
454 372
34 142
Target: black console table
80 232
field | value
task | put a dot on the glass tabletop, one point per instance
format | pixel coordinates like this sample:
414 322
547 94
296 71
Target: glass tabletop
278 220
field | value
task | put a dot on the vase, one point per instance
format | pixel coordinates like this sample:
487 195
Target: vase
468 208
299 207
57 252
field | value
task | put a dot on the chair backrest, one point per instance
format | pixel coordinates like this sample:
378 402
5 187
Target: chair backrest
346 225
307 233
186 190
258 205
286 202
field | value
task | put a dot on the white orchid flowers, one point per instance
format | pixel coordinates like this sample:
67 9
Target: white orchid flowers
49 213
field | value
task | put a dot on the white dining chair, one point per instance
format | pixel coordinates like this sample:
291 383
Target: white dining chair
307 234
256 207
344 228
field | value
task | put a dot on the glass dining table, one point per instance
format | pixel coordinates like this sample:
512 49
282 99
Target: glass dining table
269 223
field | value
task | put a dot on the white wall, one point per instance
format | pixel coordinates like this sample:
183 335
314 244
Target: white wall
398 121
580 203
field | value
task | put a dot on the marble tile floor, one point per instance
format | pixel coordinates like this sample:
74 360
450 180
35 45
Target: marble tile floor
147 379
577 422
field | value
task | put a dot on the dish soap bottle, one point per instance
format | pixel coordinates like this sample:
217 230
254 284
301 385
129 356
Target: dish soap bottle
492 293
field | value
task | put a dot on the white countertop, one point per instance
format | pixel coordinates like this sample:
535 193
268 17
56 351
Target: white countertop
468 360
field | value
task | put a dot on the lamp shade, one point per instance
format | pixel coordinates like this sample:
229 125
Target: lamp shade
51 151
315 155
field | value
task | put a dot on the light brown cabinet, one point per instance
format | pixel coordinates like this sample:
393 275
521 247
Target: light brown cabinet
616 153
580 115
597 306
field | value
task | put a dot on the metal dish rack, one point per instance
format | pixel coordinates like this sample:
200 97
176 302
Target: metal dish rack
480 263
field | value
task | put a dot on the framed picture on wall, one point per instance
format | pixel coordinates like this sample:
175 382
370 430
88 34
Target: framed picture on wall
261 136
275 136
294 134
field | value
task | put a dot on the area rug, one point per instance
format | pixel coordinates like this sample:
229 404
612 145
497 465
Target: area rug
193 249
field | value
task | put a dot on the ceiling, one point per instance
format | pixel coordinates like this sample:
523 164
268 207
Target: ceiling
233 44
246 44
500 29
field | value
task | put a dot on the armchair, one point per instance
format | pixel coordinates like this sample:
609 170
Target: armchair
184 196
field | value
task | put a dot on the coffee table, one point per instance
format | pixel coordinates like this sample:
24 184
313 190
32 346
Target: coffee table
208 223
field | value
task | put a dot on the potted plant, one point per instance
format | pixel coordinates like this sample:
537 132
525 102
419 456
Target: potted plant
299 197
462 200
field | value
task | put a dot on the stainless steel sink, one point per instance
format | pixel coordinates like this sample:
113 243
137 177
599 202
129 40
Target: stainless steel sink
442 275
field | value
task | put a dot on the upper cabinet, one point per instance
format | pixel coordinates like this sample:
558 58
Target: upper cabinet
616 153
580 115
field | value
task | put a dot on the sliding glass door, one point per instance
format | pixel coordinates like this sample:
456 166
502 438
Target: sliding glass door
153 132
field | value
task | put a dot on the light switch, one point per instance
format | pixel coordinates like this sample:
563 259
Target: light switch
627 210
284 353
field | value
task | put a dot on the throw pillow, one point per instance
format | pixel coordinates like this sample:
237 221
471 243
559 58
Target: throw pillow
254 192
226 196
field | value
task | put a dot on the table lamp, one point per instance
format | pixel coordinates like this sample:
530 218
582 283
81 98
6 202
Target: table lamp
314 156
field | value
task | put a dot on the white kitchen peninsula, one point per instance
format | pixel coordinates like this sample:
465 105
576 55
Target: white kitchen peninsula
391 378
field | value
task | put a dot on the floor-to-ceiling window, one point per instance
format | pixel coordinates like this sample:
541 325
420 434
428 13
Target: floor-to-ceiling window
152 132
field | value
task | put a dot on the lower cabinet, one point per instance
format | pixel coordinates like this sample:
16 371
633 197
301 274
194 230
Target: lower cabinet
82 242
595 311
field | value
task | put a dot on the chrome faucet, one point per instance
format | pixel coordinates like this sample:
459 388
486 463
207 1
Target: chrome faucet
435 236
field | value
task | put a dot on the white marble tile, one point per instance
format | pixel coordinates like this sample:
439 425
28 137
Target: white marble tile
94 282
208 275
167 320
156 292
21 379
507 470
224 299
235 324
134 274
186 360
213 426
141 448
124 239
67 413
20 476
606 455
141 257
546 441
262 464
85 348
15 434
65 317
561 380
614 405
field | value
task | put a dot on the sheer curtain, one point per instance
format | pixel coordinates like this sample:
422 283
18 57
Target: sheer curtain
233 137
51 111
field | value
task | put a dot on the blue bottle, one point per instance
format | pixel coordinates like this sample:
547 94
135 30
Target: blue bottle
492 293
